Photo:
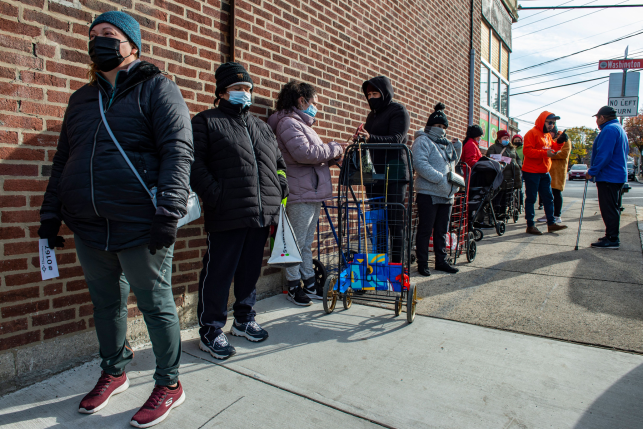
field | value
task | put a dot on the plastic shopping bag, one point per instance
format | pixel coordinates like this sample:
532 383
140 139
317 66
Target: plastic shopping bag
285 252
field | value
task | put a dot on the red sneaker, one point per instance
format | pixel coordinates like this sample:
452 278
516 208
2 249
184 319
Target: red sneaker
98 398
158 406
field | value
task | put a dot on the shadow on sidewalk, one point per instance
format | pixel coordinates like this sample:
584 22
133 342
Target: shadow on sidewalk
622 399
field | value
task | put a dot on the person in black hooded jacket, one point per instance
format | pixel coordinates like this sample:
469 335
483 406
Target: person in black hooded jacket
122 241
240 175
387 122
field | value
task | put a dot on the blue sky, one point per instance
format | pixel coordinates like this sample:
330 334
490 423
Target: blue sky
571 32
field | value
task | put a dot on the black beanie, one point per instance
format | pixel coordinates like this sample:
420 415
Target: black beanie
474 131
438 116
228 74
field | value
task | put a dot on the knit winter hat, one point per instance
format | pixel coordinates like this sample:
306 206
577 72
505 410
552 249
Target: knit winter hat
229 74
501 134
123 22
474 131
517 135
438 116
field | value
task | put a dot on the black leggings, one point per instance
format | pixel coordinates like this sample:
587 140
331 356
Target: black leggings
433 219
558 201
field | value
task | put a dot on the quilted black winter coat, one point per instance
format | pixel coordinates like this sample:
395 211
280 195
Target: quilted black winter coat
235 168
91 186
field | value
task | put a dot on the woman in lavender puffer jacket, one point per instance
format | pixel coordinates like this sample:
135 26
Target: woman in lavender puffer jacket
309 180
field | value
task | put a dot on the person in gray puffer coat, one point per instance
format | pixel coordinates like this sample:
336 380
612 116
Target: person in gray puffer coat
309 179
433 157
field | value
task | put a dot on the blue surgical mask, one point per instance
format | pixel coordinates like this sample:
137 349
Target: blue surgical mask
311 111
240 97
504 142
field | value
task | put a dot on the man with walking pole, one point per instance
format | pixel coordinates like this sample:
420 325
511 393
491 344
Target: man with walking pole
609 171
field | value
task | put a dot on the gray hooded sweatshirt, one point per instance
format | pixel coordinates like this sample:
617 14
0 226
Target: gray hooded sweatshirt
431 167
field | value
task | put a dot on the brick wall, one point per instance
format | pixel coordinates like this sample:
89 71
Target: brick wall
423 46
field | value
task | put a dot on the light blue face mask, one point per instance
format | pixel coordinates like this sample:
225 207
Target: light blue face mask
311 111
504 142
240 97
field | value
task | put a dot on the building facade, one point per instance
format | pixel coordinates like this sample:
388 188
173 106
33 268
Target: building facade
423 46
495 50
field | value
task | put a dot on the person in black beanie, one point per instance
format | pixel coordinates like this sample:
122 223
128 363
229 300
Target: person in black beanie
387 122
433 158
240 175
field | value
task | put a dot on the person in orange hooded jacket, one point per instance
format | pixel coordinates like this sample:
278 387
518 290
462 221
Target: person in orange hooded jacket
538 149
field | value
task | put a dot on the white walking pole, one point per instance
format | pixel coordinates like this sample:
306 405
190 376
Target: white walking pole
582 209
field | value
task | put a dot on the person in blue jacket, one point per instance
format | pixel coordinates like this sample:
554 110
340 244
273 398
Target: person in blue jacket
609 171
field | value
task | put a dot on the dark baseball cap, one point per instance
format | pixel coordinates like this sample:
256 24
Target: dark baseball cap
552 117
606 111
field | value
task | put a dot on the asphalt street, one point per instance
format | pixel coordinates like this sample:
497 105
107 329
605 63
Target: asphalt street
575 190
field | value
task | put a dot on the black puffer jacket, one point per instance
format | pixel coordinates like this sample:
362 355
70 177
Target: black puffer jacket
91 186
388 124
235 169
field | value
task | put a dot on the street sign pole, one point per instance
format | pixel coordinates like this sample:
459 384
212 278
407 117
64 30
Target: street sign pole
627 48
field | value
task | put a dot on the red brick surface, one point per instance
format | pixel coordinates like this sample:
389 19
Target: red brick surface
422 46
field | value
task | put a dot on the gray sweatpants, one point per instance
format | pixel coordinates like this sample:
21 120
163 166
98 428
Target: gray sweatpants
303 218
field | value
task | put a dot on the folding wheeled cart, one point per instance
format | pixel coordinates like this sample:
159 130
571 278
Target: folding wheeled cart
372 230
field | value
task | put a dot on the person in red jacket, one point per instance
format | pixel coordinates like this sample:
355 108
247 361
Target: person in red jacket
470 149
538 150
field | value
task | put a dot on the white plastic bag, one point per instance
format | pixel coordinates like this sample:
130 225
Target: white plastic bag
285 252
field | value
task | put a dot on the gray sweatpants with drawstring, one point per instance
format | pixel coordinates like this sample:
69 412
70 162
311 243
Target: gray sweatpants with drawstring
303 218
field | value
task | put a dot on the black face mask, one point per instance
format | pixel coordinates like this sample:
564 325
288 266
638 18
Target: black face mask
376 103
105 52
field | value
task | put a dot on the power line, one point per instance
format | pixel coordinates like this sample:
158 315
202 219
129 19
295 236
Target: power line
550 17
567 84
559 86
604 6
564 98
565 22
568 69
552 80
579 52
573 41
544 12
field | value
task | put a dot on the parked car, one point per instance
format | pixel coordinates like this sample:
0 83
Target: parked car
577 171
630 171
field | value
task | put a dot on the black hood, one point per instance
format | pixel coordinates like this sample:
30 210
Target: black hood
383 85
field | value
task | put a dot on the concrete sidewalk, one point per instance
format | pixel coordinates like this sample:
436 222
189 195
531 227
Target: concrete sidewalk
364 368
540 285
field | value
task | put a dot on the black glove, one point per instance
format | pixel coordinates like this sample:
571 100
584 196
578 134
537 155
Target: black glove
49 229
163 232
283 182
562 138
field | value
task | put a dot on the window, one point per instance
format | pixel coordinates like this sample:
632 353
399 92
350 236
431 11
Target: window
495 52
579 167
494 102
505 62
484 85
484 41
504 99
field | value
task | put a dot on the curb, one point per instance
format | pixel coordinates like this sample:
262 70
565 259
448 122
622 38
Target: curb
639 223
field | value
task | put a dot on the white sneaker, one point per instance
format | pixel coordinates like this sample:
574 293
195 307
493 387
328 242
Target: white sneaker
557 219
542 219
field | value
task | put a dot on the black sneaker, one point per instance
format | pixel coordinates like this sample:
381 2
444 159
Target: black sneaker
447 268
311 289
251 330
606 244
603 238
220 348
297 296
